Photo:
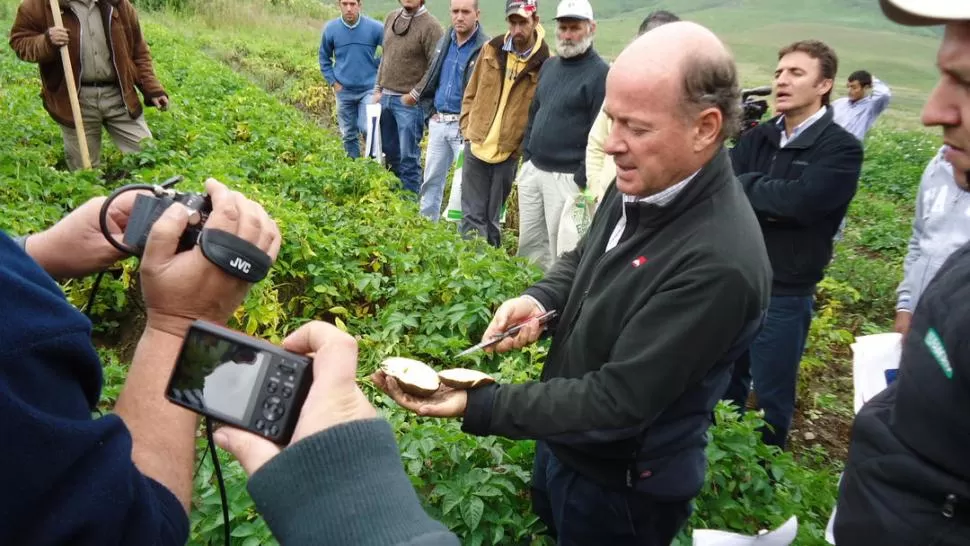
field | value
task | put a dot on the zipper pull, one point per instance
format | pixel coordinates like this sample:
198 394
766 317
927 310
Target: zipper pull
949 506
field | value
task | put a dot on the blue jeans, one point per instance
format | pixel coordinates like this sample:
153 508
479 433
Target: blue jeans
402 127
578 511
444 144
352 118
771 363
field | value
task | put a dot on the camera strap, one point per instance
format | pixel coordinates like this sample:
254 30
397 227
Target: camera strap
235 256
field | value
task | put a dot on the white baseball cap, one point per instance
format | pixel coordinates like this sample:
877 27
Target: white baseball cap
574 9
925 12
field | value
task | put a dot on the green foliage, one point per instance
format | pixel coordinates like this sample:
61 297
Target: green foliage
751 486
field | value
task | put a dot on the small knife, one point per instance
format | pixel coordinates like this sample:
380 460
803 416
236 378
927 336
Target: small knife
543 318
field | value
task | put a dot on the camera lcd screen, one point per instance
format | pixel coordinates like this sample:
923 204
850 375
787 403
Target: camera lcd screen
219 376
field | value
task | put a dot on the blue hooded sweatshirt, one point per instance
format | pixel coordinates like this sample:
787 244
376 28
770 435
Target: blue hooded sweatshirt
68 477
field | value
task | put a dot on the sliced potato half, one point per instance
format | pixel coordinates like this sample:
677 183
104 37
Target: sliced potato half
414 377
463 378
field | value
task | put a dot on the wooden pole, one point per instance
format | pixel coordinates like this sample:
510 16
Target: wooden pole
72 90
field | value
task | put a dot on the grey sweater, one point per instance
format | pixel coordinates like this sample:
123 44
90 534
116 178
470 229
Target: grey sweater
941 225
344 486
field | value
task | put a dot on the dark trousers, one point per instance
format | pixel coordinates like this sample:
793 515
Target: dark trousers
771 363
579 512
484 188
402 128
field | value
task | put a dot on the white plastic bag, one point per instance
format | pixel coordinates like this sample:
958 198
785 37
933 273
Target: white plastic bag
577 215
453 211
784 535
373 143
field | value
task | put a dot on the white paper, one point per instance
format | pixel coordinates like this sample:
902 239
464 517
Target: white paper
871 357
782 536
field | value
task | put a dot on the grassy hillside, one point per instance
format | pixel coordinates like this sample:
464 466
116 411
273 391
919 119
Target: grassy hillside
755 29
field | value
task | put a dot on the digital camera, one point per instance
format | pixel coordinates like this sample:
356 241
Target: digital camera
240 381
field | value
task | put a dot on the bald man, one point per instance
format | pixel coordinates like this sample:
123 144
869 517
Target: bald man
668 286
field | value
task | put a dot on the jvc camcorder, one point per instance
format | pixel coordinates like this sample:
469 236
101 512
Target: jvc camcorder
752 109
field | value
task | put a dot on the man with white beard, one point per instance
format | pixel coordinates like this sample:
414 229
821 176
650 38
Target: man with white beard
571 89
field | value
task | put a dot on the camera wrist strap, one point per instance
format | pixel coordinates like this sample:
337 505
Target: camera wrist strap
235 256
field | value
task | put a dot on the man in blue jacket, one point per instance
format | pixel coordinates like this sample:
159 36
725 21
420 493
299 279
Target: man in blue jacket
125 478
349 61
799 170
440 93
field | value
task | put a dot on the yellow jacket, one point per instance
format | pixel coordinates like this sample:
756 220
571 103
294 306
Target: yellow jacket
600 168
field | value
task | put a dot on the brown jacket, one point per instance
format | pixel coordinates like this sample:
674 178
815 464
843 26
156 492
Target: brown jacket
129 53
480 104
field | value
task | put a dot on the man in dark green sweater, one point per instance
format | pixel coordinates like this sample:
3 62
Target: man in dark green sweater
567 100
669 285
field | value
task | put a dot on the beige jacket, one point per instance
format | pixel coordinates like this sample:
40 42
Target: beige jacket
600 168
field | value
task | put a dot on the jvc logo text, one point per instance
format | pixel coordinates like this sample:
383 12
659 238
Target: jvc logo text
240 264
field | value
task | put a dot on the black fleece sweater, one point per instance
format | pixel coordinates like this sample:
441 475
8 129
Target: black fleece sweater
566 103
641 326
800 193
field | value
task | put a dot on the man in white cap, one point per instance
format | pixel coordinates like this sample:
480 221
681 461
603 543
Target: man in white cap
907 480
571 90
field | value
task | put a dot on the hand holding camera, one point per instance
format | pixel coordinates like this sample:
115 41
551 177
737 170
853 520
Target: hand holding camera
75 246
333 396
180 287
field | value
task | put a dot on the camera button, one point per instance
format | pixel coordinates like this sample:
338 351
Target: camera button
286 392
260 424
274 430
272 386
289 370
273 408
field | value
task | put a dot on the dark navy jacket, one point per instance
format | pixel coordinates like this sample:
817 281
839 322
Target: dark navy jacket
800 193
907 480
68 478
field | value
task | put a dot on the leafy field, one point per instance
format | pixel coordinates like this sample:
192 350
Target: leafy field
250 109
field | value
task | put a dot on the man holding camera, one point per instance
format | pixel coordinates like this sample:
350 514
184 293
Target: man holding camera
906 480
668 286
799 170
125 478
110 59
